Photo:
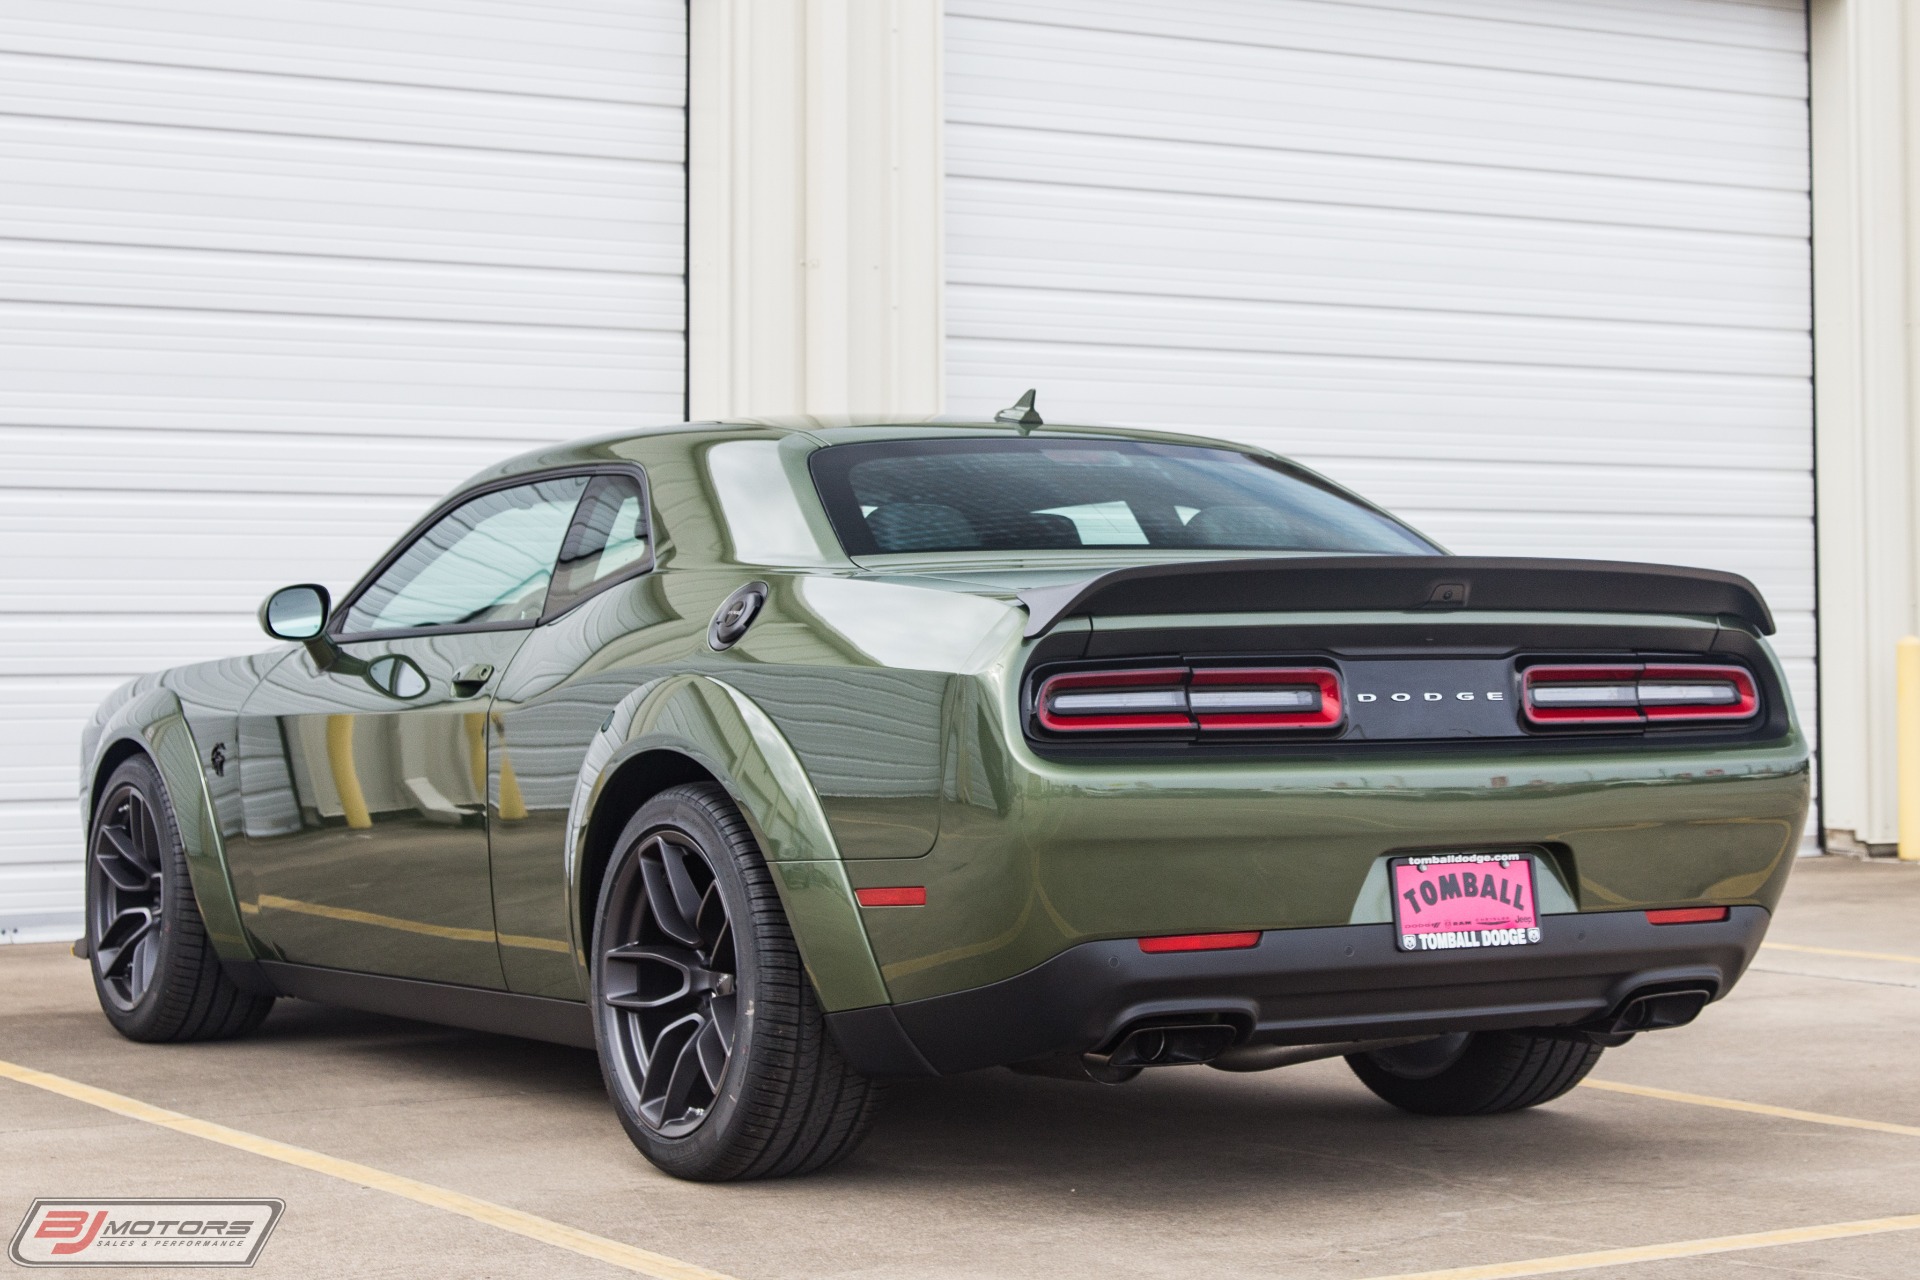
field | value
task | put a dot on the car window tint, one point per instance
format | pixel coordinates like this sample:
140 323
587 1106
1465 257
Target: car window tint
608 540
1102 524
1024 494
488 560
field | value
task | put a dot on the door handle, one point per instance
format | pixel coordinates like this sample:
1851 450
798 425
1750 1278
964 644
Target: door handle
471 679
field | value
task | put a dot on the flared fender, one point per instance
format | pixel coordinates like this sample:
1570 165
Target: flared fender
152 719
730 737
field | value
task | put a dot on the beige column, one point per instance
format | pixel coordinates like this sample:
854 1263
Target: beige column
814 207
1866 216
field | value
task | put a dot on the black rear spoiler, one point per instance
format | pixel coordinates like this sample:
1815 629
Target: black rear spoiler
1397 583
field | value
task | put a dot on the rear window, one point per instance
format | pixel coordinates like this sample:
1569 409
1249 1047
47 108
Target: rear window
1047 495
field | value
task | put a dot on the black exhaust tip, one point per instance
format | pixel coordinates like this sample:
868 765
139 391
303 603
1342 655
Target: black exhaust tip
1649 1009
1659 1010
1172 1046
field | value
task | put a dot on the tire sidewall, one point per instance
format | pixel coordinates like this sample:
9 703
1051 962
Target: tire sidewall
143 1019
1495 1072
695 1154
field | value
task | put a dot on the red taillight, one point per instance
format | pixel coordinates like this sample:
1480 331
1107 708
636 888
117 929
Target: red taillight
1629 694
1202 942
1688 915
897 896
1203 698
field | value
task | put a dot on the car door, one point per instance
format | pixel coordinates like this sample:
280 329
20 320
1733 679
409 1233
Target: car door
609 629
364 756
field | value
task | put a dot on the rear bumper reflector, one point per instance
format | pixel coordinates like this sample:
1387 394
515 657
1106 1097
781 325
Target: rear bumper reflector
1201 942
1688 915
899 896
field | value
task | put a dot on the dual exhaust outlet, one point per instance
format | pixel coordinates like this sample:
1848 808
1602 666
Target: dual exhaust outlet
1213 1040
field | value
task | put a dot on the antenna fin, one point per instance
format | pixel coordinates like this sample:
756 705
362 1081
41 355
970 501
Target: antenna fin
1021 413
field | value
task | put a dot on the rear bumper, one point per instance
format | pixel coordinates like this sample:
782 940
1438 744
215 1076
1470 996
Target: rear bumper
1301 986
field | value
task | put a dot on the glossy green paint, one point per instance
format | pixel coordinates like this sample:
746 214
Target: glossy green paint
363 840
705 720
868 725
155 715
1036 855
831 752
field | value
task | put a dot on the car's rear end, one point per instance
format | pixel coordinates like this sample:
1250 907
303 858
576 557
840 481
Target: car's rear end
1211 810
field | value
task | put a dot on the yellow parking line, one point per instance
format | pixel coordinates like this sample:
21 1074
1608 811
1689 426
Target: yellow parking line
1894 956
559 1235
1662 1252
1752 1108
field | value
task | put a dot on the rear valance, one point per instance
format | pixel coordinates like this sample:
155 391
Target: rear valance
1399 583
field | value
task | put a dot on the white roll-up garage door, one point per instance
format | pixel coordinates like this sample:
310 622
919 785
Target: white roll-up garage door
1532 273
272 277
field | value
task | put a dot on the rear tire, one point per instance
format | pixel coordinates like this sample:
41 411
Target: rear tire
1478 1073
154 968
714 1049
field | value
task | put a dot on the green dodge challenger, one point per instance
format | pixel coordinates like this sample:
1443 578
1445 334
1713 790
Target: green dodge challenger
776 759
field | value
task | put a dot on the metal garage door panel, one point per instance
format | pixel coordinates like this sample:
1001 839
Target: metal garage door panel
278 276
1533 273
608 50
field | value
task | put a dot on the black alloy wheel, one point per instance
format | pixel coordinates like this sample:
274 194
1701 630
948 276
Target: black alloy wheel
668 987
126 894
715 1052
154 968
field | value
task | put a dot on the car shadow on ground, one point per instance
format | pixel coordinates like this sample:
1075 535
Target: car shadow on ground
1196 1136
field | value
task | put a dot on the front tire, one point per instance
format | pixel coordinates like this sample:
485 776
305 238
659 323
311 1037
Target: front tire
715 1052
1479 1073
154 968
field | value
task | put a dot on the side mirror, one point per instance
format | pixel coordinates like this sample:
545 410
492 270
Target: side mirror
296 613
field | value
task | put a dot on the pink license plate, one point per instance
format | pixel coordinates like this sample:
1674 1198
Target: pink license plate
1456 901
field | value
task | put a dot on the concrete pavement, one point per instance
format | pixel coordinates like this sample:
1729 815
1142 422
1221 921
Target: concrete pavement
1184 1172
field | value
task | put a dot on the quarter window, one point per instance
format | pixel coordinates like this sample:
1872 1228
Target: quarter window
487 561
608 540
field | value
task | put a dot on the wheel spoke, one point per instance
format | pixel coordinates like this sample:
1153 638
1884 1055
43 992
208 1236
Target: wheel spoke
722 1012
670 894
120 864
687 1075
117 942
146 958
714 1047
710 919
686 894
657 975
143 829
662 1064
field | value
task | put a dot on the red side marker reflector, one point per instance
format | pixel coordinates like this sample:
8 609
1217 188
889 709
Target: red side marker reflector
902 896
1687 915
1202 942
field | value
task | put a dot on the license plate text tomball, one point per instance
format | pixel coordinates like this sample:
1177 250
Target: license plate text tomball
1456 901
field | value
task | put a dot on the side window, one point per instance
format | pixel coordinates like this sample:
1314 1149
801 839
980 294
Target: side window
608 540
488 560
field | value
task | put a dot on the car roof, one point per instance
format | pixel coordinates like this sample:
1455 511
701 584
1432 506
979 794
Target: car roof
825 430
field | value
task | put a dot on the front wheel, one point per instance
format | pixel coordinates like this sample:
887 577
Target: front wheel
1477 1073
715 1052
154 967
